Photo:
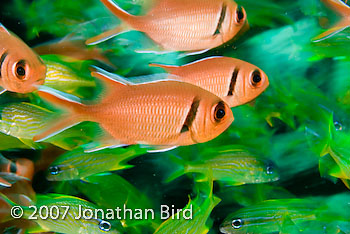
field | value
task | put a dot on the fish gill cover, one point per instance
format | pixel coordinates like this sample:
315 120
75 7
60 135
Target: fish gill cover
93 149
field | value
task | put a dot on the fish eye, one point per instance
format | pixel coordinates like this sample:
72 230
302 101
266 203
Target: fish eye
239 14
269 169
20 70
237 223
219 112
256 78
338 126
54 170
105 226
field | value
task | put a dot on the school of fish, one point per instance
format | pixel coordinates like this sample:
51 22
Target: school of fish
88 121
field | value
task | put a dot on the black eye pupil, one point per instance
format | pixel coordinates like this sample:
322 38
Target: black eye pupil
54 170
220 113
21 71
269 170
338 126
240 14
105 226
256 78
237 223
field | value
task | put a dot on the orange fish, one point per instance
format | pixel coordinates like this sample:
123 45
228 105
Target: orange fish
343 11
73 49
182 25
235 81
11 171
21 70
164 113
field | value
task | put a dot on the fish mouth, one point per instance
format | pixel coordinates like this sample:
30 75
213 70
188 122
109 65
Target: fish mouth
222 229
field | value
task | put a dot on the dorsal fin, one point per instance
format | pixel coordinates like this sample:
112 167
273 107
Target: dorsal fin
109 78
338 6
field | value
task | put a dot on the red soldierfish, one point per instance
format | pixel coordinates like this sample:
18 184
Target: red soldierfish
235 81
10 171
343 11
182 25
21 70
164 113
73 50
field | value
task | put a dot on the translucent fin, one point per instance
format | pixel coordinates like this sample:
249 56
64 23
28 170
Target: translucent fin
2 90
30 143
73 49
120 29
183 55
160 149
152 78
338 6
178 171
5 183
104 142
102 146
165 67
329 33
108 77
63 124
75 108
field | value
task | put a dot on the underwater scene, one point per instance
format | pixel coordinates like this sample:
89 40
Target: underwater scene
175 116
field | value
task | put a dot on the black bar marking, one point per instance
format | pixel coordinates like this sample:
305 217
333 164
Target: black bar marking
221 19
191 115
233 82
3 56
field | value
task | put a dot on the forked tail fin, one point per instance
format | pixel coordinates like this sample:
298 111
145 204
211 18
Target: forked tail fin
168 68
340 9
76 113
126 18
338 6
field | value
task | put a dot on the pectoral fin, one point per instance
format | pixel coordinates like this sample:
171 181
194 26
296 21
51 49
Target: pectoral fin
332 31
160 149
2 90
5 183
122 28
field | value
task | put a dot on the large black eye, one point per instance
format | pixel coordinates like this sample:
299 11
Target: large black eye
105 226
20 70
219 111
54 170
239 14
237 223
256 78
338 126
270 168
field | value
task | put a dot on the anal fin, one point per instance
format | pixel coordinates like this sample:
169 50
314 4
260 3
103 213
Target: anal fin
122 28
2 90
341 26
66 122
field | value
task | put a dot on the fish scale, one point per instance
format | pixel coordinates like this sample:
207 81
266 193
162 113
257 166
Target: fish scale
217 74
152 113
179 25
16 54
